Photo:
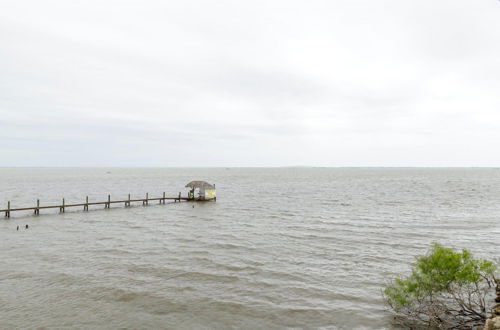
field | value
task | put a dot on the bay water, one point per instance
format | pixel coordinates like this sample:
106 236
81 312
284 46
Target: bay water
281 248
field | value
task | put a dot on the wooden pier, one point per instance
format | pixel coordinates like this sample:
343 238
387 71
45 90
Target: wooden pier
107 204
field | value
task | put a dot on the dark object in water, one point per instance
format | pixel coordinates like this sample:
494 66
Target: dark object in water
26 226
17 227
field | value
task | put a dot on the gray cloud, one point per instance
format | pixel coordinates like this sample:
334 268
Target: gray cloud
260 83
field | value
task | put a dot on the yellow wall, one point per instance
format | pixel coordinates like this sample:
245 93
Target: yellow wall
210 193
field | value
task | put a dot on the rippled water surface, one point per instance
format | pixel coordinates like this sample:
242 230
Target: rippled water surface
299 248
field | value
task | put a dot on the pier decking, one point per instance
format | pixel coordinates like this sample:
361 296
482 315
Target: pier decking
107 204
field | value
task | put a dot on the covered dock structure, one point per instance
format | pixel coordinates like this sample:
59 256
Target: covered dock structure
201 191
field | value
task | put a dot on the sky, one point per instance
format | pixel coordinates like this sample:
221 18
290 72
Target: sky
250 83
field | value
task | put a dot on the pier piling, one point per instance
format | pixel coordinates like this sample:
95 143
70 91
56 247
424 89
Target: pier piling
7 212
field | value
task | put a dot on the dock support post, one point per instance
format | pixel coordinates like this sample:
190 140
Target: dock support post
147 197
163 201
61 209
7 213
127 203
37 210
108 204
86 206
179 197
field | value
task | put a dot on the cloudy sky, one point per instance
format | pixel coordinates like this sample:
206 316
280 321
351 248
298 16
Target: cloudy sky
250 83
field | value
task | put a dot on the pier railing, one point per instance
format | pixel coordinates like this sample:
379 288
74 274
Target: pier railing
107 204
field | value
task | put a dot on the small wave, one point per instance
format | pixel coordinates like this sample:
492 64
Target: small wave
232 246
210 277
17 276
115 251
237 268
147 302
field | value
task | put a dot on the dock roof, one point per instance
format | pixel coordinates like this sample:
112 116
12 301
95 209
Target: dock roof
200 184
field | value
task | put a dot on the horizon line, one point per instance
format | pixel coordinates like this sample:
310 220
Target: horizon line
235 167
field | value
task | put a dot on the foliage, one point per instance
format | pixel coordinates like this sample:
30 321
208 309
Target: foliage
446 289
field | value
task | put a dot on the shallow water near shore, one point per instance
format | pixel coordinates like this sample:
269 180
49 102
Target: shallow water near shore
288 247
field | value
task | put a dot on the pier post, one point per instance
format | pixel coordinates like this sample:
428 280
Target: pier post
106 206
179 197
147 197
7 213
86 206
163 199
37 210
61 209
128 202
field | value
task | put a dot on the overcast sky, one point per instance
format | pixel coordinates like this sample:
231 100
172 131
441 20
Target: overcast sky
250 83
